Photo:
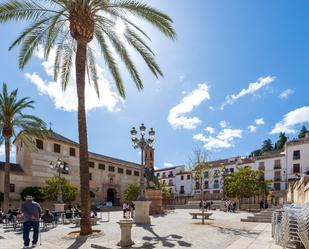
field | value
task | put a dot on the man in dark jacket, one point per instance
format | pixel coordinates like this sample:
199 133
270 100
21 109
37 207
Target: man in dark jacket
31 215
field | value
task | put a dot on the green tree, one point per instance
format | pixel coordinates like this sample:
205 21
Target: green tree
198 164
132 192
267 146
13 121
36 192
69 26
303 132
69 191
166 193
244 183
256 153
281 141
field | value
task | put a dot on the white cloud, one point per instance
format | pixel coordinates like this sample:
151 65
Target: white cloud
211 108
176 115
291 120
286 93
67 100
210 130
251 89
252 128
223 140
223 124
259 121
168 165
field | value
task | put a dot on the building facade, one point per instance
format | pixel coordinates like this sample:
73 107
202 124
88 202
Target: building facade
109 176
280 167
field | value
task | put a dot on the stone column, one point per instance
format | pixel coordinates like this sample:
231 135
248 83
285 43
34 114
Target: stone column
141 215
126 227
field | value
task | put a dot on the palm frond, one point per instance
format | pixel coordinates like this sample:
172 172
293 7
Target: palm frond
92 70
110 61
152 15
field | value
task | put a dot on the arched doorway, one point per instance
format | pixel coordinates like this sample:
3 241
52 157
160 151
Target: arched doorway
111 195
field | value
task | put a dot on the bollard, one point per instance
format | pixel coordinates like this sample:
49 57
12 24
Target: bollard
126 227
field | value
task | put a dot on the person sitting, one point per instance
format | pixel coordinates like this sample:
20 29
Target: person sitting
47 218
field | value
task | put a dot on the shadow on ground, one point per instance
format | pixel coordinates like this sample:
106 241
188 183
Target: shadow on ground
171 240
79 241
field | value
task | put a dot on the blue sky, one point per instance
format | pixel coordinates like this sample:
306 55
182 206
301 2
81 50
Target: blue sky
236 74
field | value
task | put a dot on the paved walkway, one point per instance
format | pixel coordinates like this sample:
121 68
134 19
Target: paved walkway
175 230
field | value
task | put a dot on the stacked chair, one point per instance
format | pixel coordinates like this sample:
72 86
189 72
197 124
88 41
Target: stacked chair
291 226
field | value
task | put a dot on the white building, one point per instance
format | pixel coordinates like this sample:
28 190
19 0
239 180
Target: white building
278 166
184 183
176 178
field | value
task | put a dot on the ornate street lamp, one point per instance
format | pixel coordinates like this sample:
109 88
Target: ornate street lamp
60 167
142 143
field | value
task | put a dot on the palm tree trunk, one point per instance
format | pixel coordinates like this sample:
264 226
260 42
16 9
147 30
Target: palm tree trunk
6 200
81 53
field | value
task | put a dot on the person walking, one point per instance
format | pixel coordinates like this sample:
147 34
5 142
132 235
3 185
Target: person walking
31 211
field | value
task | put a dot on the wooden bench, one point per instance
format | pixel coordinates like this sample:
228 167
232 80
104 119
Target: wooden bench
206 215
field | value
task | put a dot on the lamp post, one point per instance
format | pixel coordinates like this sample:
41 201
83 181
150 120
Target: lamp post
60 167
142 143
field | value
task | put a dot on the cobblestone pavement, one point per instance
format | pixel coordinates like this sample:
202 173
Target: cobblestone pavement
174 230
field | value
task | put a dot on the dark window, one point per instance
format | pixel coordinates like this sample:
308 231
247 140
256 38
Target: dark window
90 176
111 168
216 184
277 186
129 172
12 188
158 174
206 185
206 174
136 173
232 170
197 185
262 166
120 170
188 177
39 144
91 164
296 168
181 178
182 189
101 166
296 154
72 151
57 148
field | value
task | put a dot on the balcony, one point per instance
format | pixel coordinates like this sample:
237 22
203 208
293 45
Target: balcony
296 157
277 167
170 175
277 179
206 186
170 184
216 186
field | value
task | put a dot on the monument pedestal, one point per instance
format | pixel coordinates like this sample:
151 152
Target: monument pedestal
141 215
125 227
59 207
155 196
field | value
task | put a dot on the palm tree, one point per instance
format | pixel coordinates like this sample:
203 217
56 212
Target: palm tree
12 122
68 27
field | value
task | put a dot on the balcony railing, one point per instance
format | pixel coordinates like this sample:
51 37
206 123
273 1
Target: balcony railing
170 175
277 167
170 184
277 178
296 157
216 186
